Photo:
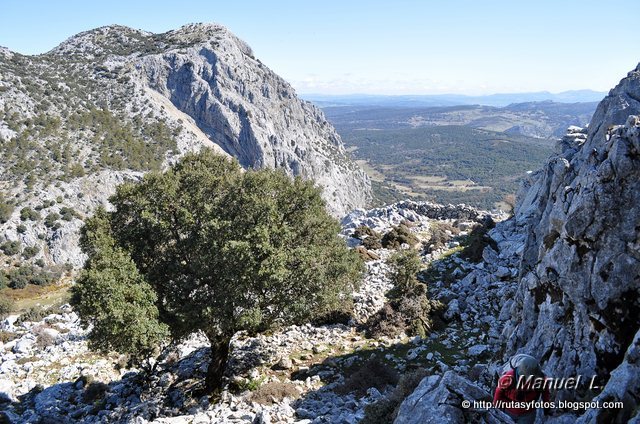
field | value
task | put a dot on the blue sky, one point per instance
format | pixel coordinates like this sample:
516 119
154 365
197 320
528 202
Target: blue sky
380 47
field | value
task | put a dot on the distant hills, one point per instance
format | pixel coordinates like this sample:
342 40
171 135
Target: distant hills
430 100
545 119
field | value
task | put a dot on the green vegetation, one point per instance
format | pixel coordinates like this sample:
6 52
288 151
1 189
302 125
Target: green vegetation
28 214
6 305
398 236
447 164
11 248
19 277
221 251
113 297
6 209
409 309
386 409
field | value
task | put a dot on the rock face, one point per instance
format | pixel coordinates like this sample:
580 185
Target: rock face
109 104
577 306
438 399
252 113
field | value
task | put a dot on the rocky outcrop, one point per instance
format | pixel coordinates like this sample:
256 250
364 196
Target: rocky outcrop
439 399
252 113
577 306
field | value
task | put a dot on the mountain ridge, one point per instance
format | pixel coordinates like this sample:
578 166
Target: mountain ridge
111 103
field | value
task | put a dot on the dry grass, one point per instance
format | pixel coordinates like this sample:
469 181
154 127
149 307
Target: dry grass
274 392
37 296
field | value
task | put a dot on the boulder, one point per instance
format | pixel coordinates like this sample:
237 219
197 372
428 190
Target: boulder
438 399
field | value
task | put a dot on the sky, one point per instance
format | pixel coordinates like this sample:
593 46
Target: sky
380 47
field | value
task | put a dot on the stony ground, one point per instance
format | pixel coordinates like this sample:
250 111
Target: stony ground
301 374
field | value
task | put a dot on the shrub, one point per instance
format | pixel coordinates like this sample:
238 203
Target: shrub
51 219
27 274
11 248
440 234
28 214
398 236
274 392
409 309
68 214
43 338
94 392
30 251
21 228
6 305
215 249
6 209
373 373
386 409
477 240
370 238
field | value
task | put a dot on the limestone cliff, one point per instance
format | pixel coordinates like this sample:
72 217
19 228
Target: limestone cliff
577 305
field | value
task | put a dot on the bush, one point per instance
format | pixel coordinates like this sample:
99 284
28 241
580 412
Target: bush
11 248
274 392
370 238
440 234
30 251
28 214
386 409
373 373
27 274
51 219
68 214
6 305
477 240
94 392
43 337
398 236
6 209
21 229
409 309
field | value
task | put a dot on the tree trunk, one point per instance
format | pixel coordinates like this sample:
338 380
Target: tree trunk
219 355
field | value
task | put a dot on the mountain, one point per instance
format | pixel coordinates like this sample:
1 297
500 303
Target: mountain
578 301
109 104
429 100
574 301
545 119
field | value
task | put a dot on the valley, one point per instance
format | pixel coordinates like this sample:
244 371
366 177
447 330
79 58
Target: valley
470 154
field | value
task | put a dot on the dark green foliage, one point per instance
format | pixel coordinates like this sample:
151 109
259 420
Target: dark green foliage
398 236
6 209
11 248
21 229
409 309
6 305
51 219
490 159
112 296
120 145
477 240
30 251
68 214
27 274
226 251
28 214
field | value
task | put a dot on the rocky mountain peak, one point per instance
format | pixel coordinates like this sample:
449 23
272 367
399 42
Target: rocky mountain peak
111 103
